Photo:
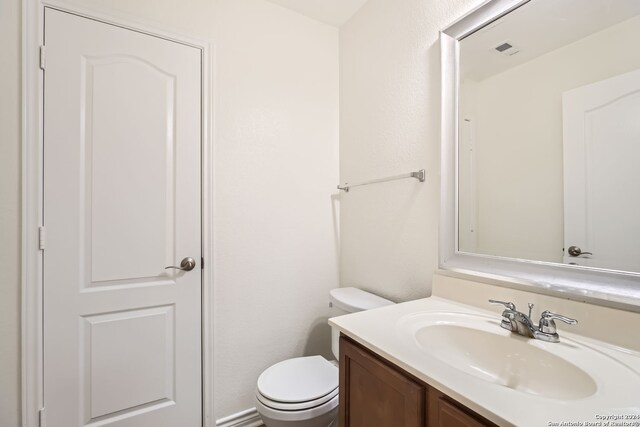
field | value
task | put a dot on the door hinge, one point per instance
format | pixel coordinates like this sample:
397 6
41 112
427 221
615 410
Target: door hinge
41 419
42 57
41 238
201 263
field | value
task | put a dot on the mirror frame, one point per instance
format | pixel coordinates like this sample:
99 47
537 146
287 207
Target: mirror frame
593 285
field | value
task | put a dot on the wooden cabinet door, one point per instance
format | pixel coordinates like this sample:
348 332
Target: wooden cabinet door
374 394
444 413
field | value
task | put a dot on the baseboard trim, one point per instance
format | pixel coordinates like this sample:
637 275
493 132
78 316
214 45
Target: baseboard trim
247 418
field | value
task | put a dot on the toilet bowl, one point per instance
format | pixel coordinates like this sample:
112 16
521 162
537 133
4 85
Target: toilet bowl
298 392
303 391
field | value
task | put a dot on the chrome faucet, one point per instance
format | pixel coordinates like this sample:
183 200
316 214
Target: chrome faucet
520 323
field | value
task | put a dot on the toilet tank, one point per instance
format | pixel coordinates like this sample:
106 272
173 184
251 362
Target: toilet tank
350 300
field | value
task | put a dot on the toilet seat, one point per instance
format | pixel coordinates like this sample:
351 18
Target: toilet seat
298 384
300 406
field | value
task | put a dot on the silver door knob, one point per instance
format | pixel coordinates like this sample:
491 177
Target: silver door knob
186 264
576 251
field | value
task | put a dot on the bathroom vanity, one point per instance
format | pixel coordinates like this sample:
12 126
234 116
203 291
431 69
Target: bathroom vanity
376 392
446 361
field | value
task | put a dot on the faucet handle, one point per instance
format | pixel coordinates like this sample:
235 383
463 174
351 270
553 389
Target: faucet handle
509 305
548 325
508 315
547 315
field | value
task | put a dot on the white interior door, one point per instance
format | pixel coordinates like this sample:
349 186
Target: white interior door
122 138
602 173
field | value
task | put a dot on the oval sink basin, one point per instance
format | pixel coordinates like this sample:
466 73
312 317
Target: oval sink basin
476 345
509 361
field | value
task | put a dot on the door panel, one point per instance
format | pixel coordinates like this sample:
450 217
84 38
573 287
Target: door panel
122 139
137 139
148 370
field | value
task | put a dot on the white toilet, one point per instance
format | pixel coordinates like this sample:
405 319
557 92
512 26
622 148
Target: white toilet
303 392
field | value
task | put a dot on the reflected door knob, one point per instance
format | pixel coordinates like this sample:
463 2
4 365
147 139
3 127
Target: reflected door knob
186 264
576 251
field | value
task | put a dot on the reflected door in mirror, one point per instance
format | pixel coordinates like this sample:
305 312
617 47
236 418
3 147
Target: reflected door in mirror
602 173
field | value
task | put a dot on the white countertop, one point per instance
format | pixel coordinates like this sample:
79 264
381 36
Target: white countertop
384 332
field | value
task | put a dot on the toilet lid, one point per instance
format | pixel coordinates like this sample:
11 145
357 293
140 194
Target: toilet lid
299 380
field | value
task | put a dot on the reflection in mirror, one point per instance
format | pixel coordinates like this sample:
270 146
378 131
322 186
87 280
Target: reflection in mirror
549 135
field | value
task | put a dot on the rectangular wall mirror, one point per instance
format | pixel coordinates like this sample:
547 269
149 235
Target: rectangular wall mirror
541 141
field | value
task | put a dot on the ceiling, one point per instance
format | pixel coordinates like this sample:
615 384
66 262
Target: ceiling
332 12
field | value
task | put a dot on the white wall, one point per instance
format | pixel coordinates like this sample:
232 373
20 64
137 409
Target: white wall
276 166
518 117
10 149
390 124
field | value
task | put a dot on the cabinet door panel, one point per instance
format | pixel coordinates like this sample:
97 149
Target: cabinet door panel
373 394
444 413
450 416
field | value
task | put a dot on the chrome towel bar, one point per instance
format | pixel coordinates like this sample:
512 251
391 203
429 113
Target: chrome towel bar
420 176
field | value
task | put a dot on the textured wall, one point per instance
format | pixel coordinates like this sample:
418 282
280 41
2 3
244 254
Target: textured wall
390 124
276 168
10 149
276 138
